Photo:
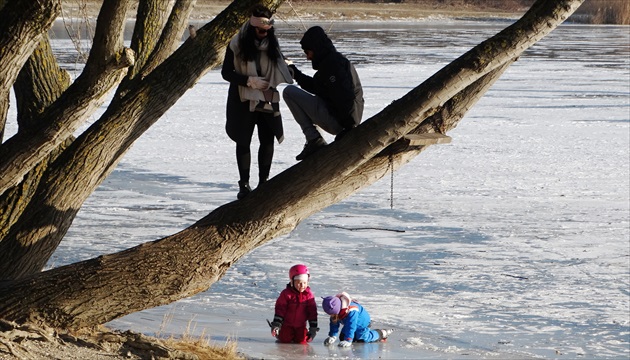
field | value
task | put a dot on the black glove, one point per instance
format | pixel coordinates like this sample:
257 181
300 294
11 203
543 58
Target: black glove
275 328
293 70
312 330
311 334
275 325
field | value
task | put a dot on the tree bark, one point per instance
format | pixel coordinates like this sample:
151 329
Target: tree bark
22 26
172 33
105 67
156 273
150 21
87 161
39 84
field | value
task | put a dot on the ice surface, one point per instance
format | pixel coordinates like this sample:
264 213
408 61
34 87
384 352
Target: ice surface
513 241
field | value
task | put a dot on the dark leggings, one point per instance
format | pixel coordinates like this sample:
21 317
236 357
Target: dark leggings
265 154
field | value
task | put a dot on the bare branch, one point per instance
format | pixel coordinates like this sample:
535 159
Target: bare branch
150 20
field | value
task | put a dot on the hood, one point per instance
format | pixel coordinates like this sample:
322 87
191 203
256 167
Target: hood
315 39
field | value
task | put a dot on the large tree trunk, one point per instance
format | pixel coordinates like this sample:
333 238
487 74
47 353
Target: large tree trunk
156 273
42 132
76 173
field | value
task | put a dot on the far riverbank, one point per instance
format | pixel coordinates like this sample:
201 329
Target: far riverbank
591 12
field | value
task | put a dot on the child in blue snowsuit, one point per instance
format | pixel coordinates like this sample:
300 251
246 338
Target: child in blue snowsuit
355 320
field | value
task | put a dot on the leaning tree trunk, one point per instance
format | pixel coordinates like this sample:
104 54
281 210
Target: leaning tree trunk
156 273
43 131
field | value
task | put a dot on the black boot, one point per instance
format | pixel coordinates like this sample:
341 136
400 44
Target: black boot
244 189
311 147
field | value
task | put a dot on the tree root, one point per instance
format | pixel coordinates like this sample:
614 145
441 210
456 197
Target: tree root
13 334
20 353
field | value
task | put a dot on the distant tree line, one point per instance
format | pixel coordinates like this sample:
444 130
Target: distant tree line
591 12
603 12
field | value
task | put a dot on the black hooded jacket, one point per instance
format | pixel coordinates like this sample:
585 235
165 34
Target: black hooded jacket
336 80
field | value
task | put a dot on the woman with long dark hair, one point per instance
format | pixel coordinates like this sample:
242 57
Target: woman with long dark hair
254 66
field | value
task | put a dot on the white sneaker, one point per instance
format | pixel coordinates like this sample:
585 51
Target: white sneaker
385 333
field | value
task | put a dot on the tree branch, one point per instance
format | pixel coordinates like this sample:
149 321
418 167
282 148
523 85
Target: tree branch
171 35
23 24
40 82
104 69
150 20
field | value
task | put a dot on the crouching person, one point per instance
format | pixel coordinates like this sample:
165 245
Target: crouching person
331 100
353 319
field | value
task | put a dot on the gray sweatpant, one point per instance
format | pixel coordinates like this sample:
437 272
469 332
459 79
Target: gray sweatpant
310 112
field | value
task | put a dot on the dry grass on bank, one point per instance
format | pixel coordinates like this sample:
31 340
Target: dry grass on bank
200 346
205 350
590 12
332 10
593 12
29 341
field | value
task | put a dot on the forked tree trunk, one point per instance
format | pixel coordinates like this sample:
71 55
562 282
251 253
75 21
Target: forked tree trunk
138 104
156 273
107 64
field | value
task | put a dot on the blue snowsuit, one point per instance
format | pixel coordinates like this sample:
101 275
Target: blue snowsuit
356 324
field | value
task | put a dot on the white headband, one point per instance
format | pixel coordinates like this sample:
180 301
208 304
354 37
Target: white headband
301 277
261 22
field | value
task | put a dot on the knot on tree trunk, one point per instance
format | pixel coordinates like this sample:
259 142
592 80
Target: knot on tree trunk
123 59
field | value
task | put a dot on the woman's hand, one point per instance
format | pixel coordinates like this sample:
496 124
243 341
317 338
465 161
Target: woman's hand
258 83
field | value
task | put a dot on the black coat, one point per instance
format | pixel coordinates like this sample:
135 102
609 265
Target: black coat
240 122
336 80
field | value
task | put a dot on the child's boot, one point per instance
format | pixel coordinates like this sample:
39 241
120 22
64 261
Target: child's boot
384 333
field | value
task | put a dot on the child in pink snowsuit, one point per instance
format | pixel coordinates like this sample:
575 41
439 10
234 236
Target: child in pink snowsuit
294 307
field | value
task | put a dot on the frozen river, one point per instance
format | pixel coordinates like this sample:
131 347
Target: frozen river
513 241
